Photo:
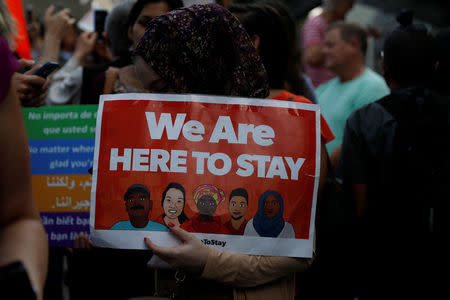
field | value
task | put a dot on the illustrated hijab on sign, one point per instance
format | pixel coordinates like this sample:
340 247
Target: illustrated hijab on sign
265 226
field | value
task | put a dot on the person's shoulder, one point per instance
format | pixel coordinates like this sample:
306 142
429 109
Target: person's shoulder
160 219
249 229
315 21
121 225
288 96
155 226
288 226
369 87
369 115
313 30
301 99
224 229
374 79
367 110
227 223
326 85
288 231
327 89
187 225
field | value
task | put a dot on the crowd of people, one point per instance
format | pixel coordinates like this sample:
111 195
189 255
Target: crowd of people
384 140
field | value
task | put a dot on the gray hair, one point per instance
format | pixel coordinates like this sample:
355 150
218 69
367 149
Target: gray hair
116 26
7 25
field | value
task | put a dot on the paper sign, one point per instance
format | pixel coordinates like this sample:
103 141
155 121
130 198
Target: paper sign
61 144
242 174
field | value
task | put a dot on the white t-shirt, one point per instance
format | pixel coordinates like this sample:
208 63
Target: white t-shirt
287 232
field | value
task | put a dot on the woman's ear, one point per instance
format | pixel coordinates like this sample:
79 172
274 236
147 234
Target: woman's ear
256 41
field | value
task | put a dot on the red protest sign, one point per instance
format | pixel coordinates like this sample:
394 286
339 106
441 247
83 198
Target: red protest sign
263 153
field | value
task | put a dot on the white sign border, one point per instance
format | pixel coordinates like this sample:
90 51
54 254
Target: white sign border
240 244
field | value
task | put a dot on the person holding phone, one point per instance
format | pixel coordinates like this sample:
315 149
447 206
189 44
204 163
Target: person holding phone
32 89
91 57
99 23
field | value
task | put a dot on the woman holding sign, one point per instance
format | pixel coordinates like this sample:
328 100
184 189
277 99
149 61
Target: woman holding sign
203 49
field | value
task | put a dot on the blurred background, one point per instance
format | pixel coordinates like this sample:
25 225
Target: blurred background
435 12
377 14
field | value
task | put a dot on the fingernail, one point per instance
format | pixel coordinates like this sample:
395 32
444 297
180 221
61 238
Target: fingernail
171 224
145 239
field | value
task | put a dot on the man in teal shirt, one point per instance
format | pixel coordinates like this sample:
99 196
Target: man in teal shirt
355 85
138 206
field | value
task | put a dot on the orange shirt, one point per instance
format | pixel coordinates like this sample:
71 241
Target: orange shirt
325 131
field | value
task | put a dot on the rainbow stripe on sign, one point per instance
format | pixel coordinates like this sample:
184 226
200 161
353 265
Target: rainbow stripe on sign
61 143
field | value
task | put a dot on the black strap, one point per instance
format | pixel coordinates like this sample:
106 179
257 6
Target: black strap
331 174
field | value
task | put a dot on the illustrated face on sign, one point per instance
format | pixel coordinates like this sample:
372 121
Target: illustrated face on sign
206 205
271 206
138 205
237 207
173 203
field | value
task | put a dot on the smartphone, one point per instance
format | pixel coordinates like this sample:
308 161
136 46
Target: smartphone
46 69
99 22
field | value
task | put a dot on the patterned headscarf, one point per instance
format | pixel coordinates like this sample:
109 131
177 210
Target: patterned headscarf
209 190
203 49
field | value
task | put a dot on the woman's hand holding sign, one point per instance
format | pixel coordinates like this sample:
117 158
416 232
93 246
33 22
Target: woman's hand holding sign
190 255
